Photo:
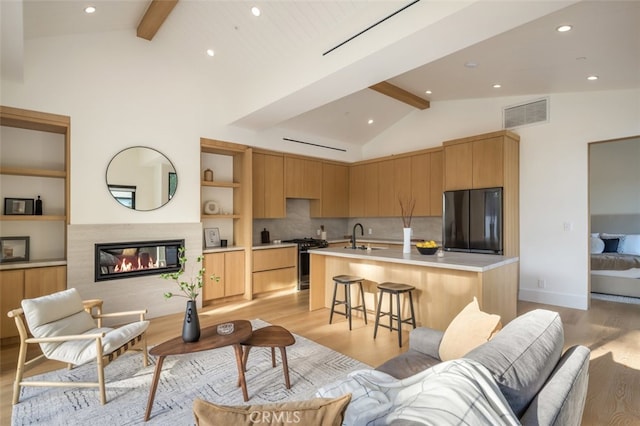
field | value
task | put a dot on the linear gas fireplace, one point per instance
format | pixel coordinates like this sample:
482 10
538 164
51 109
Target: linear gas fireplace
134 259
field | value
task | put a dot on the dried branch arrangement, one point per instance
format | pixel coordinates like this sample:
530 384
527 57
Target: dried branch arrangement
406 210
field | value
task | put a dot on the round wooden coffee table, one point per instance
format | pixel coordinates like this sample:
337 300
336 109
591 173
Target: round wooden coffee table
209 339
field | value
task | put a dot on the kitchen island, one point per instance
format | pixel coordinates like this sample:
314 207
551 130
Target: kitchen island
444 285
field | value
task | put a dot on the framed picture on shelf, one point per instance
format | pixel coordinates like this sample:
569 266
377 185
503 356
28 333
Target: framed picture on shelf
18 206
14 249
211 237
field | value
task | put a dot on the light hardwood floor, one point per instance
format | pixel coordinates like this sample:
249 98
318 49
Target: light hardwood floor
610 330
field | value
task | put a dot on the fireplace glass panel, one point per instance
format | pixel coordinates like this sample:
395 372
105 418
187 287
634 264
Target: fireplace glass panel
134 259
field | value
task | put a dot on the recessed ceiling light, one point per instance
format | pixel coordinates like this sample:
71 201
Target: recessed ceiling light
89 9
564 28
210 52
592 77
428 92
471 64
370 121
255 10
496 86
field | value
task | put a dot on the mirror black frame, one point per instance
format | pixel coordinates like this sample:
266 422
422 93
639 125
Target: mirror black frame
139 191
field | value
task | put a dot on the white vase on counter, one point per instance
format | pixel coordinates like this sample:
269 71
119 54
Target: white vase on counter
406 247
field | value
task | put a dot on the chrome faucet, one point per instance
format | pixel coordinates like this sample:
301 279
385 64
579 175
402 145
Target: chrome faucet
353 234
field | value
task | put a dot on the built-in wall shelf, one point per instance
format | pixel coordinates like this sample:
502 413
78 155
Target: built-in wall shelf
30 217
218 184
20 171
220 216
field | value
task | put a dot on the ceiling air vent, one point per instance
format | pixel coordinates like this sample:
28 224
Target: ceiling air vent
526 113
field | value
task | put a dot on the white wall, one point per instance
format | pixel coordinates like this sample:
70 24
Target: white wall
553 176
615 177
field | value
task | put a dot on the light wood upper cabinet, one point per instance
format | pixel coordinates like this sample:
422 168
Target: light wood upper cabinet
477 162
371 206
268 186
421 183
401 183
356 190
436 184
302 178
335 192
458 162
488 163
386 191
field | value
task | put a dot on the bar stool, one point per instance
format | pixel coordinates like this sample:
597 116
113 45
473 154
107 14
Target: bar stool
346 281
394 289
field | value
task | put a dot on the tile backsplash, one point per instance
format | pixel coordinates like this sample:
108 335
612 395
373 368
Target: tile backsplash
299 224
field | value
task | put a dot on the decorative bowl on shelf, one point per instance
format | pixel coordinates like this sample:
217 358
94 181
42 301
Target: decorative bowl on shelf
427 250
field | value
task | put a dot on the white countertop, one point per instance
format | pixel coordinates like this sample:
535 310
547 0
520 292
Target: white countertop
32 264
274 246
450 260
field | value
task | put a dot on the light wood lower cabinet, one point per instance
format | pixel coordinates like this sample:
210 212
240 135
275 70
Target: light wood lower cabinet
28 283
229 267
275 269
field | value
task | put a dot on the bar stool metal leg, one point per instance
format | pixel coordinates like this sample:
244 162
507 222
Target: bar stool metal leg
333 301
375 327
364 307
399 318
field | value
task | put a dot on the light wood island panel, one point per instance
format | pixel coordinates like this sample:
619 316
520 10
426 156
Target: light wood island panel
442 290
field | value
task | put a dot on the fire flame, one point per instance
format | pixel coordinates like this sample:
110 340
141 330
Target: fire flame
127 266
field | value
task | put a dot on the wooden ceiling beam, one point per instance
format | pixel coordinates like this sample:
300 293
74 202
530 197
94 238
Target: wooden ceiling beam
401 95
154 17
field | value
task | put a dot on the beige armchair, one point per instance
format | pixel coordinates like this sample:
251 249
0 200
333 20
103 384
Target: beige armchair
65 327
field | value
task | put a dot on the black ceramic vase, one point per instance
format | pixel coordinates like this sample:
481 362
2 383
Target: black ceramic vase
191 325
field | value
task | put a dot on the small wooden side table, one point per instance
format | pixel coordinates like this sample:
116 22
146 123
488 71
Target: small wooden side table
209 339
272 336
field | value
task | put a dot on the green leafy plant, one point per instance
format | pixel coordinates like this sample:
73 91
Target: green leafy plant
190 287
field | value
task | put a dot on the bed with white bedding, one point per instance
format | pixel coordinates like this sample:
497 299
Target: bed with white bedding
615 257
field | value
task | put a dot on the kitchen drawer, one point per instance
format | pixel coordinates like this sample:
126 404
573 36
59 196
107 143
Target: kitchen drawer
268 259
276 279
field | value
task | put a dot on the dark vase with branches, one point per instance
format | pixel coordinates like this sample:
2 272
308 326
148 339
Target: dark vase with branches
190 289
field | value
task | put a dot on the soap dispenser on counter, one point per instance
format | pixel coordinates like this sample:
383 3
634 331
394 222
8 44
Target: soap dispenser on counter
264 237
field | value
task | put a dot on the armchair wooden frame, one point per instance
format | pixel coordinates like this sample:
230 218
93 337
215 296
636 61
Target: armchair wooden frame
102 359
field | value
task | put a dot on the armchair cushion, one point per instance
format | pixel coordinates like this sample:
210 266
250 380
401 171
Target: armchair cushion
46 309
78 352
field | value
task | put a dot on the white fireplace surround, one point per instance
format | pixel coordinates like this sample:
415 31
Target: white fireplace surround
128 293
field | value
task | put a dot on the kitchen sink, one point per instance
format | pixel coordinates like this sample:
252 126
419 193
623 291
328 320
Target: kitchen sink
365 247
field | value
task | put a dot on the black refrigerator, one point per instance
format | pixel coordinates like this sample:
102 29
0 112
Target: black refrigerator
472 220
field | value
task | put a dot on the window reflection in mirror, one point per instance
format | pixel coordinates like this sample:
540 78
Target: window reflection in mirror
141 178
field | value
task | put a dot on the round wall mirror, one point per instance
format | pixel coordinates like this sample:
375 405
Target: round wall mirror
141 178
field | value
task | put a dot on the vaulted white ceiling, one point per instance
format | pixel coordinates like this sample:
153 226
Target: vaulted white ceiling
283 76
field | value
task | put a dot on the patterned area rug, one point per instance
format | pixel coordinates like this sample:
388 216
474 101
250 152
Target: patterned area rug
210 375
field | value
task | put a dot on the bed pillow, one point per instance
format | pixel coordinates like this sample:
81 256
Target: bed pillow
468 330
611 245
597 245
631 245
619 237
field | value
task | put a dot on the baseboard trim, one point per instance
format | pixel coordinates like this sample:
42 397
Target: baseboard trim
553 298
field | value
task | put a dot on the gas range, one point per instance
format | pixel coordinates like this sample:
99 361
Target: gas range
308 243
304 245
